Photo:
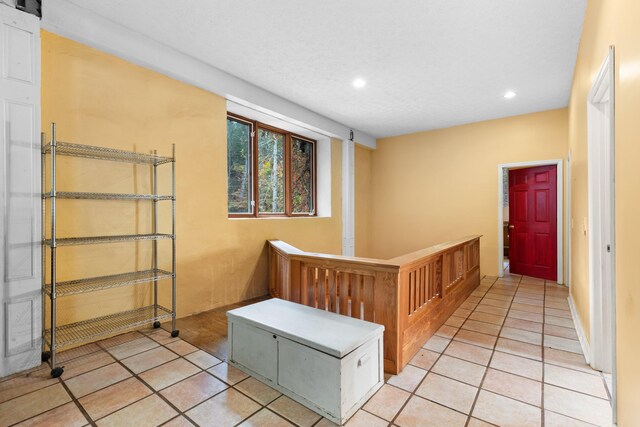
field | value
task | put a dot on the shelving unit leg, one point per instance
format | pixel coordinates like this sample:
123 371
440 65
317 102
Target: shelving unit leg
156 323
43 159
174 331
55 370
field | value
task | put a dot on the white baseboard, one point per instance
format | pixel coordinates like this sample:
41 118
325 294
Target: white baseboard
584 343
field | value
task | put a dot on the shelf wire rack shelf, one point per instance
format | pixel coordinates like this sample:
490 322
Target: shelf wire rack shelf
92 284
104 153
74 333
106 196
68 241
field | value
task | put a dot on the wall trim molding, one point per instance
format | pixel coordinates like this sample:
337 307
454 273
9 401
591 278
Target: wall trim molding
582 337
74 22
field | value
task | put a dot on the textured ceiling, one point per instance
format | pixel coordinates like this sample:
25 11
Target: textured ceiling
427 63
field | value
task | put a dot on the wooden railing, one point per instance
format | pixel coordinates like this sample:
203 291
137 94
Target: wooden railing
411 295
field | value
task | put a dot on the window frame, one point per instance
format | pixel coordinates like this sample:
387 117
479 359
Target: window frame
288 190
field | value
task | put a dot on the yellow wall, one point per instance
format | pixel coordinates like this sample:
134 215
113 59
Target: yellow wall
435 186
612 23
362 201
98 99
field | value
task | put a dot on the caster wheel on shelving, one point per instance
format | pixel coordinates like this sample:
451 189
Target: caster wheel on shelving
156 324
56 372
175 333
45 356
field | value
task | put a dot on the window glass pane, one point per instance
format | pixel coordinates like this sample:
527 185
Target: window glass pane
270 172
302 176
239 166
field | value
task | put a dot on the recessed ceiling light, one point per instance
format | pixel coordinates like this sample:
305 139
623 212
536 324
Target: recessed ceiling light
359 83
510 94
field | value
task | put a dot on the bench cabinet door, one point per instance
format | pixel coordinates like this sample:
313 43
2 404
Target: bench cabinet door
310 374
255 349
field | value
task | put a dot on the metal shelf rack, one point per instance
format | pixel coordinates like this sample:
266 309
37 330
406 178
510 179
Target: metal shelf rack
60 336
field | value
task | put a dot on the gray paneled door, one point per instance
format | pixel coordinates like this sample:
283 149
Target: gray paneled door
20 209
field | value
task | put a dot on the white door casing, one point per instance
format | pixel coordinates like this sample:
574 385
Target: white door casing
602 247
348 196
20 208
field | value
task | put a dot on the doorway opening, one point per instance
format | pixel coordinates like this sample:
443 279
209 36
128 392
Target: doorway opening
503 236
602 245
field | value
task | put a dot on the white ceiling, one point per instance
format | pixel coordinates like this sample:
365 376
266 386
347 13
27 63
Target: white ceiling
428 63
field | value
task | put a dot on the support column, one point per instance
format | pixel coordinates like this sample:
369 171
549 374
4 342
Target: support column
348 194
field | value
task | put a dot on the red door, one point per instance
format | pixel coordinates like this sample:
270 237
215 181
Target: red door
532 222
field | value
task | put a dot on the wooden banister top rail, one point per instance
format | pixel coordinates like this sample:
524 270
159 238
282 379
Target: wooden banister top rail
391 264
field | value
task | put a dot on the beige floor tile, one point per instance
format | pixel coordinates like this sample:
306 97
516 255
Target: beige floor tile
519 348
468 305
577 405
73 353
521 335
408 379
364 419
24 384
230 407
564 305
525 315
424 359
149 359
536 302
525 325
475 297
436 343
161 336
568 360
86 363
264 418
258 391
446 331
95 380
228 373
530 294
490 309
527 308
559 321
513 386
420 412
130 348
551 419
326 423
474 422
488 318
497 300
517 365
476 338
387 402
202 359
34 403
120 339
170 373
294 412
559 331
558 313
447 392
560 343
178 422
575 380
67 415
181 347
483 327
150 411
471 353
503 411
115 397
193 390
462 312
456 321
460 370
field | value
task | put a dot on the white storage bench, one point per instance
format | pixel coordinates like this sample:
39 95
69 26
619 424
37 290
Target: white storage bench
330 363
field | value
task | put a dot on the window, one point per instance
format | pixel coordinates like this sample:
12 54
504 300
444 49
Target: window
271 172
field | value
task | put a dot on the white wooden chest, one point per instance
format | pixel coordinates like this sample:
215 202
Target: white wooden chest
330 363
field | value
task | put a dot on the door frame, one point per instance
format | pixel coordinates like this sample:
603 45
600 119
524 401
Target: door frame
558 163
602 301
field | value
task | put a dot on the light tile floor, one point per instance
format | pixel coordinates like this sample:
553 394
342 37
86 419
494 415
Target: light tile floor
508 356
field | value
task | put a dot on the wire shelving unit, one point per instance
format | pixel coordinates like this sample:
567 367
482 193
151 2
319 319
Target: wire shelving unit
57 336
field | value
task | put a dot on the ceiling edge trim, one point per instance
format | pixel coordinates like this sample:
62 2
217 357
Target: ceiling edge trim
79 24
